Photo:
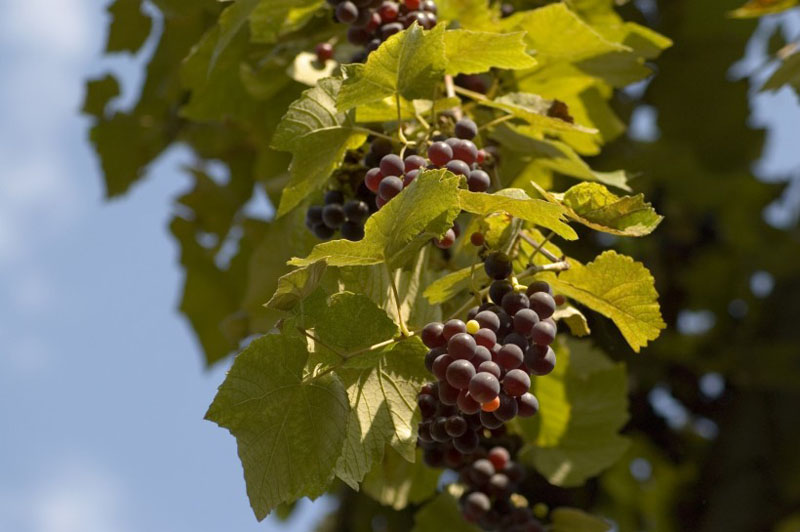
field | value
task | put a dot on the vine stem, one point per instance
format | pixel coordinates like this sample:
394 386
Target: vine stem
451 89
400 132
346 357
539 247
403 330
323 344
374 133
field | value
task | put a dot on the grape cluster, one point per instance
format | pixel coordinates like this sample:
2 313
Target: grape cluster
373 21
390 173
346 216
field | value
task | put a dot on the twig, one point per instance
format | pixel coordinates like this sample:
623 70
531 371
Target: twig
540 247
403 330
320 342
451 89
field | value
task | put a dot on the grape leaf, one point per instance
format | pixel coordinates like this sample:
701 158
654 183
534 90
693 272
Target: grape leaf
318 137
533 109
452 284
423 210
517 203
385 110
618 288
595 206
470 14
583 405
574 319
129 27
473 52
410 63
759 8
574 520
397 482
373 325
382 387
289 432
99 92
554 155
440 514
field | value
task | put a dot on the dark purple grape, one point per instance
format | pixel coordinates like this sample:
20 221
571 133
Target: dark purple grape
539 286
499 289
466 129
507 409
414 162
352 231
381 147
392 164
484 387
481 355
431 357
453 327
541 364
467 442
415 16
478 181
356 211
510 356
410 176
488 319
313 216
322 231
440 153
499 486
477 238
324 51
333 215
528 405
439 430
456 426
515 472
467 404
387 30
373 45
346 12
480 472
499 457
513 301
497 265
490 367
516 383
543 333
476 505
518 340
358 37
424 432
490 421
433 457
429 6
486 337
544 304
459 373
390 187
334 196
524 320
432 335
448 394
452 141
458 167
440 366
429 388
389 11
465 151
427 405
461 345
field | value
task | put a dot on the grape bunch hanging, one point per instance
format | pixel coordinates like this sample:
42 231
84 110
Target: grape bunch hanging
483 374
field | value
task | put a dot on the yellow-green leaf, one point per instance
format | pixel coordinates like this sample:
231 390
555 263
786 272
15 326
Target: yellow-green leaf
595 206
473 52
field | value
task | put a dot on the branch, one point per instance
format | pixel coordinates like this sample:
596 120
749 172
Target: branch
539 247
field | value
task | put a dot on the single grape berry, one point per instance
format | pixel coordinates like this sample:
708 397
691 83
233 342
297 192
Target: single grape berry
499 486
440 366
478 181
388 11
467 443
544 304
414 162
477 239
528 405
488 320
497 265
429 6
499 457
381 147
513 302
359 37
322 231
490 421
324 51
482 354
490 367
392 164
390 187
516 383
484 387
498 290
480 472
424 432
453 327
439 430
524 320
466 129
516 339
346 12
352 231
465 150
447 241
387 30
507 410
458 167
412 5
473 326
541 364
539 286
356 211
543 333
476 505
410 176
314 215
448 394
456 426
334 196
486 338
333 215
492 405
459 373
467 404
427 405
461 346
431 356
510 356
432 335
373 179
440 153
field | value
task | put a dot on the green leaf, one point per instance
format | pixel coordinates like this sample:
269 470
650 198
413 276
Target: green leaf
99 92
382 387
574 520
447 287
289 432
350 321
296 286
129 28
788 73
441 514
306 69
759 8
385 110
595 206
554 155
473 52
410 63
470 14
583 405
517 203
318 137
423 210
534 110
396 482
618 288
574 319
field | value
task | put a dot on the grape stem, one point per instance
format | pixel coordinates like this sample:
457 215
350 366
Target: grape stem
403 330
451 89
373 133
345 358
539 248
323 344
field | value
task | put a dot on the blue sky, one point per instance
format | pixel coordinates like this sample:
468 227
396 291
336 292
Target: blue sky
102 390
